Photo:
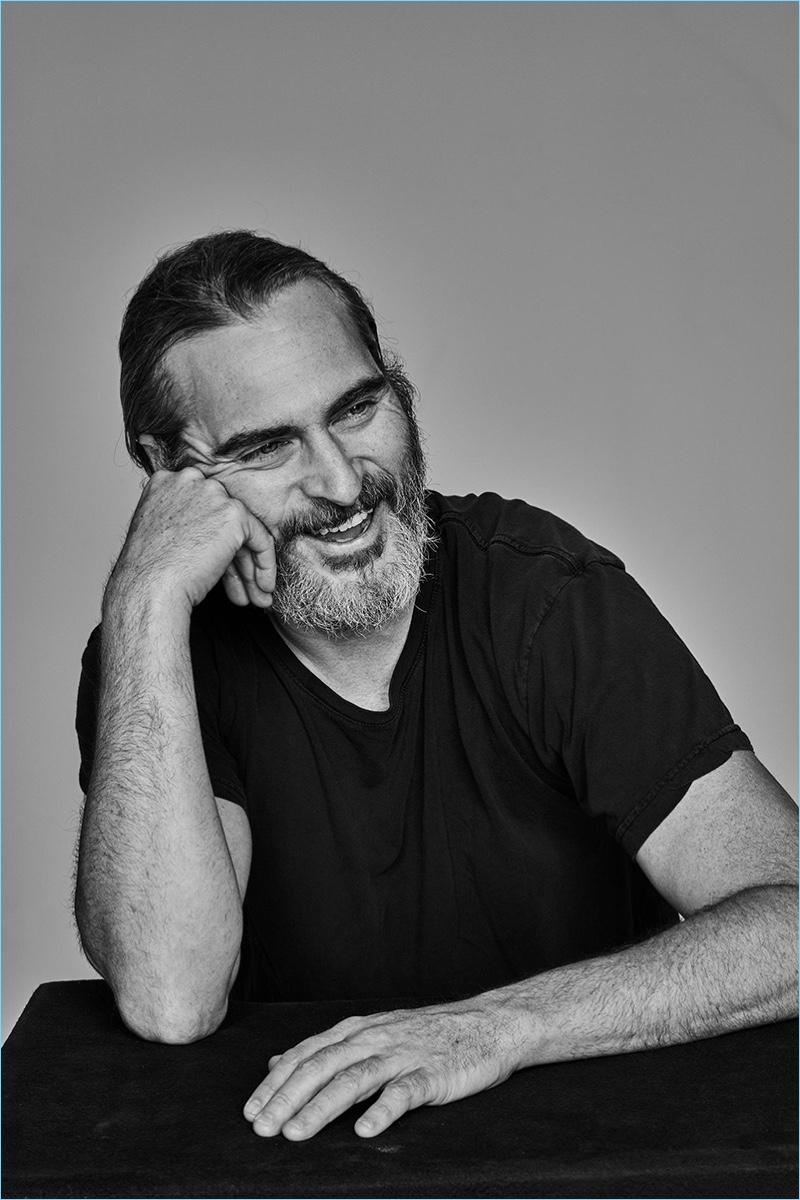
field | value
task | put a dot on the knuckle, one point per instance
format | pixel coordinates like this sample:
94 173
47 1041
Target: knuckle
291 1058
412 1086
356 1074
319 1062
313 1113
213 487
349 1024
281 1101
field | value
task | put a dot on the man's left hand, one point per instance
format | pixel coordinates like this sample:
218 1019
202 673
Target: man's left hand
411 1057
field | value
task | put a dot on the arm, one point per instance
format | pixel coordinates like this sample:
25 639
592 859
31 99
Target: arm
162 867
725 857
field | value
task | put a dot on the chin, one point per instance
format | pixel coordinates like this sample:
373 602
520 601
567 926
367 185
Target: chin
354 594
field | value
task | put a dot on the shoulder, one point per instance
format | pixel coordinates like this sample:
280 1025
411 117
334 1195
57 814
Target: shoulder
505 568
492 523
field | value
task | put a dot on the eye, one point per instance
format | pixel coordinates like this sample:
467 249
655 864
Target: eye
358 411
266 450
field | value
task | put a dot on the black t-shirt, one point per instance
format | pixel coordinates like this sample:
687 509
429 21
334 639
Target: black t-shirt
543 720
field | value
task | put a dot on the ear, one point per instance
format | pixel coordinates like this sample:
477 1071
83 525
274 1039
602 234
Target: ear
154 452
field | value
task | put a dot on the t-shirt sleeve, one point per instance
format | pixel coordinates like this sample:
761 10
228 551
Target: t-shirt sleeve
222 769
86 711
617 702
214 689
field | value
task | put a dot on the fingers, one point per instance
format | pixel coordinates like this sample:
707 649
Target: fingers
235 589
298 1119
246 583
256 561
398 1097
312 1084
298 1110
250 577
281 1066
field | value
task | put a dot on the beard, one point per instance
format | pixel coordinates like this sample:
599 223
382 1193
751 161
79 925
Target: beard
382 588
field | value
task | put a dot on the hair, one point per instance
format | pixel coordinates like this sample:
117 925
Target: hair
208 283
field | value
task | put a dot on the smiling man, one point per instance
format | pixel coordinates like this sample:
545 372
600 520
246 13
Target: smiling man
346 738
350 534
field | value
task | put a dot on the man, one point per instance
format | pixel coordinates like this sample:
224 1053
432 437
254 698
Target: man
343 738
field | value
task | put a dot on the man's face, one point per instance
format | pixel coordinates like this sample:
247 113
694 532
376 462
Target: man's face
317 445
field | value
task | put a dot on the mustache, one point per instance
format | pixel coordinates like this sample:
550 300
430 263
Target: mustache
324 514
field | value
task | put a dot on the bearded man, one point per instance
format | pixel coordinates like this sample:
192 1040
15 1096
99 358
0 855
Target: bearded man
346 738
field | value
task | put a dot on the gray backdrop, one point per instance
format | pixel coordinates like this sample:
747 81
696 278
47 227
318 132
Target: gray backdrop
577 223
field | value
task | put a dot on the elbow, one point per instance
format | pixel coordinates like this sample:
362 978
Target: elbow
176 1003
173 1011
170 1020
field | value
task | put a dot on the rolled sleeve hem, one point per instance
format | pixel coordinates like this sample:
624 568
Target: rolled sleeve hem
648 814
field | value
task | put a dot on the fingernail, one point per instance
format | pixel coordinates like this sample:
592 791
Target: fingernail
252 1107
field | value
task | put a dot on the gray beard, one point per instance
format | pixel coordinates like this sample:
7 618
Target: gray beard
381 590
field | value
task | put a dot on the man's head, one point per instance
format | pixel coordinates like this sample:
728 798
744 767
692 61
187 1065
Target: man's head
222 279
241 351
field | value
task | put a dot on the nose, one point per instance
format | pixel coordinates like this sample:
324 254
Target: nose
331 473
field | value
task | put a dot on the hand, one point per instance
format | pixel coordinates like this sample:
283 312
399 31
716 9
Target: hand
187 532
412 1057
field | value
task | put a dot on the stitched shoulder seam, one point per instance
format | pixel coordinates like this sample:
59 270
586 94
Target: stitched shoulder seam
576 574
525 548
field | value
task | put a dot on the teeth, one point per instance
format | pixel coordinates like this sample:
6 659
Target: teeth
356 520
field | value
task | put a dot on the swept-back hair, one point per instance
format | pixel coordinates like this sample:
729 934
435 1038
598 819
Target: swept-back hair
218 280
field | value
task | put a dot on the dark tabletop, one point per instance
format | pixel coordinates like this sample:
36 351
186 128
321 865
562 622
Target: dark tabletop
90 1110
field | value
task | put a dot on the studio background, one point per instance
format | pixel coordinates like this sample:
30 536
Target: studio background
577 224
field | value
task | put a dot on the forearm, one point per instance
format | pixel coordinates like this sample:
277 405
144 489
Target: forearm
157 900
727 967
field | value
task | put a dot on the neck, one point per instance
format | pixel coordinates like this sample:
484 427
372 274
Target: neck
358 667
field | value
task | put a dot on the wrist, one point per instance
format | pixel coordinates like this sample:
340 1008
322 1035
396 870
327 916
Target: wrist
509 1025
518 1014
131 591
133 601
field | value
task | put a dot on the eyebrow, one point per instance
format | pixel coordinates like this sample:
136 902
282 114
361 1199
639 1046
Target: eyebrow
248 439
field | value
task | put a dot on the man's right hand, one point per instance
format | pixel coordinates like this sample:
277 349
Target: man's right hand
187 533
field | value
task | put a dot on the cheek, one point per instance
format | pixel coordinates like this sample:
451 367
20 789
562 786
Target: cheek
390 442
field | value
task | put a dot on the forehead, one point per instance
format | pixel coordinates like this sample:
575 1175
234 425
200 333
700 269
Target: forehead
300 354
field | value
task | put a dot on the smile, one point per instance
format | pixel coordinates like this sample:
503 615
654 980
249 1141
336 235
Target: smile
348 531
